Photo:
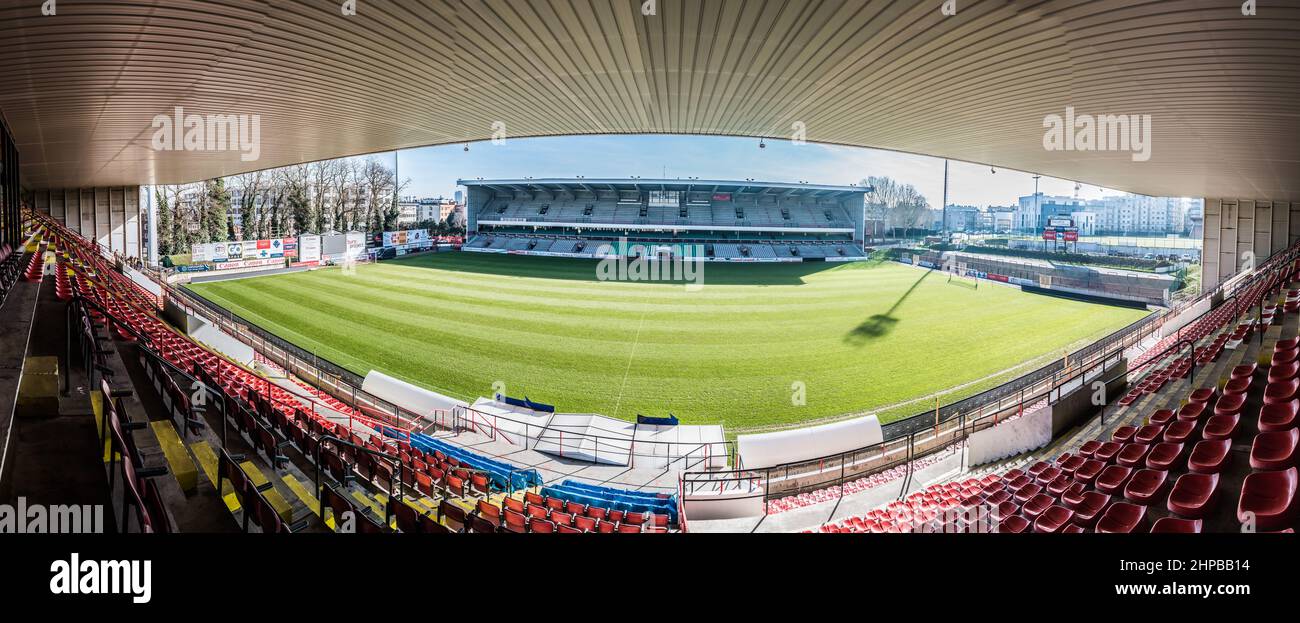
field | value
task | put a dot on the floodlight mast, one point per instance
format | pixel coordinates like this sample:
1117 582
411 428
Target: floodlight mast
943 227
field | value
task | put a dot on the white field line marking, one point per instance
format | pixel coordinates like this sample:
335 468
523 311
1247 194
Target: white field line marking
635 340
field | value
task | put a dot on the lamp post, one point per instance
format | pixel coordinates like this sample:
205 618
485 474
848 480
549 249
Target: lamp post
1037 215
943 226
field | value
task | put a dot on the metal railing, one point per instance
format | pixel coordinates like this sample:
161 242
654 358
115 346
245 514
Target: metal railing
567 442
325 375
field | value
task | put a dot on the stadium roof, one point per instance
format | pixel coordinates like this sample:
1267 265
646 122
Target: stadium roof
80 89
774 188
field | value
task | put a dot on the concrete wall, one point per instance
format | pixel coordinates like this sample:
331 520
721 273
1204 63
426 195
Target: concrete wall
1076 407
109 216
1235 227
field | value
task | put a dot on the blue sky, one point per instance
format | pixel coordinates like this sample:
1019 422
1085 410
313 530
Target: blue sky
433 171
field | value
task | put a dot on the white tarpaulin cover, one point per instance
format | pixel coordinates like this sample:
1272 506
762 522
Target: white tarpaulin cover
600 439
417 400
802 444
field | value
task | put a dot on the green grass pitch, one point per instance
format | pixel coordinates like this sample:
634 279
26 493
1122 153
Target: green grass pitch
848 338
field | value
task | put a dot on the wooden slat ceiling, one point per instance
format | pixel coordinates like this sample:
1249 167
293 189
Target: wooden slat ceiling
80 88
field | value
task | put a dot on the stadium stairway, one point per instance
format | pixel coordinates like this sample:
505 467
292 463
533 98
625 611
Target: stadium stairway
50 440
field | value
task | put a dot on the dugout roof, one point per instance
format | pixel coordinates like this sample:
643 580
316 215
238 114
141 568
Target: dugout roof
80 88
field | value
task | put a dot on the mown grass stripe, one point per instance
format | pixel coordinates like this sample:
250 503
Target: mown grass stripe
858 336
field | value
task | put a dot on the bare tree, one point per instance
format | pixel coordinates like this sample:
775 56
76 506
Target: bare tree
252 188
902 204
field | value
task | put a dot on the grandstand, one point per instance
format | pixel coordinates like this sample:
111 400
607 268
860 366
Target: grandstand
725 221
159 409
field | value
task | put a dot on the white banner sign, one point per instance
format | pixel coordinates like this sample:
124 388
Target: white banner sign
356 245
200 253
309 248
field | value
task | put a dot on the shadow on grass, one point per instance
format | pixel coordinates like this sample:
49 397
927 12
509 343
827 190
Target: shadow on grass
880 325
573 269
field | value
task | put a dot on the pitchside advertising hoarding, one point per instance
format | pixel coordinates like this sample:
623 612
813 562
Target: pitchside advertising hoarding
308 248
407 239
244 250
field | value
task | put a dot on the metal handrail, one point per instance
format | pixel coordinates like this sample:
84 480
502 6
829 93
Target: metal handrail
397 462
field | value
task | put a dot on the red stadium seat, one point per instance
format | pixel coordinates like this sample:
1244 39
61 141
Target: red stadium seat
1237 386
1048 475
1164 416
1052 520
1194 495
514 504
1059 485
482 525
1174 525
1209 457
1148 434
1004 510
1107 451
1230 404
998 498
1090 508
1191 411
1145 486
1072 464
1132 455
1163 455
540 526
1203 395
1221 427
1180 431
1123 518
1243 371
1281 357
1072 529
1027 492
1088 448
1268 499
1278 416
1037 505
1037 468
1281 391
515 521
1073 495
1014 524
1274 450
1113 479
1088 472
1285 371
1123 434
1290 343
